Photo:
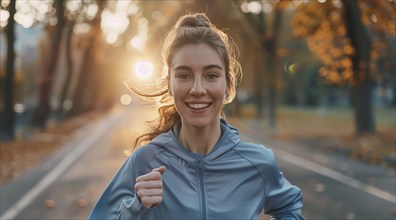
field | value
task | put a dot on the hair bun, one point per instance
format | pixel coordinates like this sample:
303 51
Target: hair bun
193 21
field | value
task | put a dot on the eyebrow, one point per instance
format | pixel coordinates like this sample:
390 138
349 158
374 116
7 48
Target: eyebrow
205 68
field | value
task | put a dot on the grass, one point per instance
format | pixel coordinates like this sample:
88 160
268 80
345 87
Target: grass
333 129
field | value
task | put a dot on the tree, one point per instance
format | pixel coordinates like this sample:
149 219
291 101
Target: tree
69 68
271 45
87 78
43 108
341 34
78 12
266 19
8 119
70 20
363 90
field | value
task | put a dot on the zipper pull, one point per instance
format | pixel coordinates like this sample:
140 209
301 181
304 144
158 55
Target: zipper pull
200 162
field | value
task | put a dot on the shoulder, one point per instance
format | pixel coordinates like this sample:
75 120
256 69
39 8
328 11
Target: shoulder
146 154
255 151
153 149
142 160
261 157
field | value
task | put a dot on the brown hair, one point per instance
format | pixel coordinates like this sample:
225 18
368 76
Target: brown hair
190 29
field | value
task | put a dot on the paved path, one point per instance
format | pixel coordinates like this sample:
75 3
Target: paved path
66 187
98 152
334 186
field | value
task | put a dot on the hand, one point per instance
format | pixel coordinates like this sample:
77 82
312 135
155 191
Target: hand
148 187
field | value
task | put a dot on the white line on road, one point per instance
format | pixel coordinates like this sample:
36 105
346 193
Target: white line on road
332 174
55 173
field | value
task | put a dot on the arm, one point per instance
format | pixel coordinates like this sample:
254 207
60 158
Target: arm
283 200
119 200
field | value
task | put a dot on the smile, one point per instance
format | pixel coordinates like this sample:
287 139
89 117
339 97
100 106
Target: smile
198 106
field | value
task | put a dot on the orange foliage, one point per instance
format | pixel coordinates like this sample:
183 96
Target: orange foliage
324 27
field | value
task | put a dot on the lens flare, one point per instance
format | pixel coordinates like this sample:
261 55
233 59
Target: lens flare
143 69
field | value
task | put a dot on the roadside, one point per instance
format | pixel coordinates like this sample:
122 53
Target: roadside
328 130
23 154
68 183
324 143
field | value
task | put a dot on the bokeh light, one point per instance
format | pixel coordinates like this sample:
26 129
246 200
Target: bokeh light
4 15
126 99
143 69
137 42
114 24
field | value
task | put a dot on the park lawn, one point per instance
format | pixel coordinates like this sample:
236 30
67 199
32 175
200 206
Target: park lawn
332 129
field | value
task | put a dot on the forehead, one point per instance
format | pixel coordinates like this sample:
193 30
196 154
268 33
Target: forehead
196 56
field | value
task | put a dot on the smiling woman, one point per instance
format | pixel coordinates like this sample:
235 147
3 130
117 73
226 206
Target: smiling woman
198 84
193 164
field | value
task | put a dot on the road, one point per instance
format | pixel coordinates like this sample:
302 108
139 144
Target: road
69 183
334 186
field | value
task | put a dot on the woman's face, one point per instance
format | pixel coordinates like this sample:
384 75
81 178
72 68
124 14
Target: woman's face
198 84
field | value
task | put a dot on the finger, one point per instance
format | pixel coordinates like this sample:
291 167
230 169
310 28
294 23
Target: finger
149 176
148 193
148 185
151 201
160 169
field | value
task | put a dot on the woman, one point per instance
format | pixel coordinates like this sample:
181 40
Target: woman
194 166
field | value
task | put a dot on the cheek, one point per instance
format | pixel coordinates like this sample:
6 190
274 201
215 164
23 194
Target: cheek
219 92
177 90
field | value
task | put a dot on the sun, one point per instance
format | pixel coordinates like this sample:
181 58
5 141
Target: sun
143 69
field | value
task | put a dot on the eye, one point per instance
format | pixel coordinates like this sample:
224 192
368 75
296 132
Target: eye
212 75
183 75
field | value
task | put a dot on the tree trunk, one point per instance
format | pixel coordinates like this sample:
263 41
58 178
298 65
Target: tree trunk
43 109
83 94
259 79
270 44
268 32
8 131
363 91
258 95
363 109
80 103
69 70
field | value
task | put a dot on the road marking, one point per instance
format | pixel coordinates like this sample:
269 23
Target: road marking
56 172
332 174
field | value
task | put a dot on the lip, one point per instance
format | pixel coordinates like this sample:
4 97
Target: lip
198 106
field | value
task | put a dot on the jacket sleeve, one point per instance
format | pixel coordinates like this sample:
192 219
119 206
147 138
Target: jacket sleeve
119 201
283 200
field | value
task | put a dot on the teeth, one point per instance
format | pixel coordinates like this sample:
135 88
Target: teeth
198 105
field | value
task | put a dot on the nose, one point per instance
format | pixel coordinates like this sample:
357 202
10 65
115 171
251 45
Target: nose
198 88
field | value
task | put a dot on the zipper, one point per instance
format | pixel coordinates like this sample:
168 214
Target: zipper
201 181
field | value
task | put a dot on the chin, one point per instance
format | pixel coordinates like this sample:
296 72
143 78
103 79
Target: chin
200 122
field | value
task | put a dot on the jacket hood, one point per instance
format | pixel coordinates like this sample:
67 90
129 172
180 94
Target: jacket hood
170 142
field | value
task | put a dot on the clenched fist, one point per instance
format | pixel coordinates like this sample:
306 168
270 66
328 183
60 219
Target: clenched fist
148 187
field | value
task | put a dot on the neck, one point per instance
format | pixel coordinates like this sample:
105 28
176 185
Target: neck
200 140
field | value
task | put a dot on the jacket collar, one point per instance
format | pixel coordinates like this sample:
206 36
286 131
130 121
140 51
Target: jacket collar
170 142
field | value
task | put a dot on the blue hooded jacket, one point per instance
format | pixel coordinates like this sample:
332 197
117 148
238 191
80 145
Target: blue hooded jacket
236 180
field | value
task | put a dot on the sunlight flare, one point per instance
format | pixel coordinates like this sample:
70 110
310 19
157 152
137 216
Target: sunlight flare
143 69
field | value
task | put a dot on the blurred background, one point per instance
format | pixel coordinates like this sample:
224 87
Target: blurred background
317 73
